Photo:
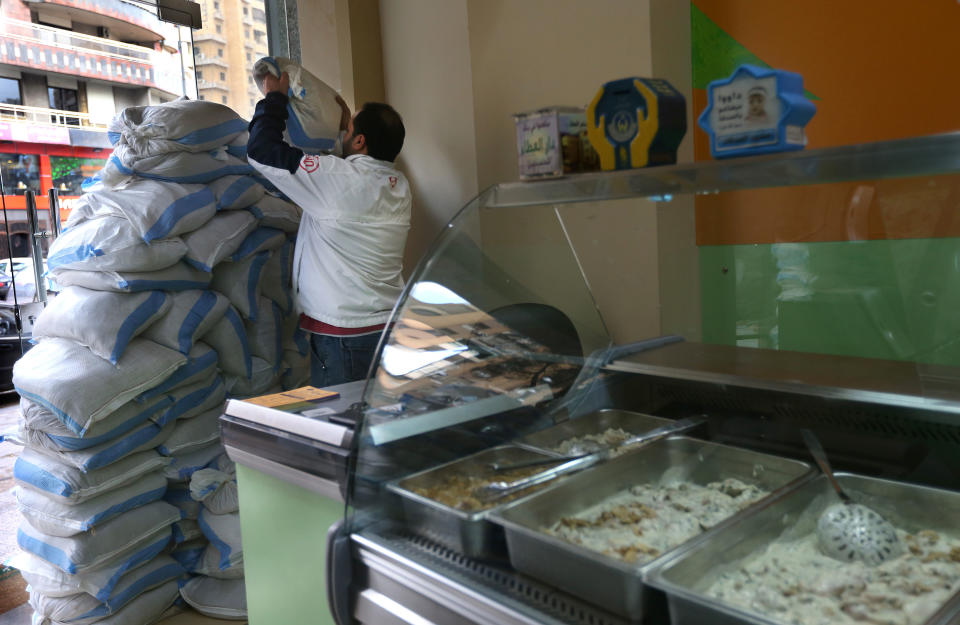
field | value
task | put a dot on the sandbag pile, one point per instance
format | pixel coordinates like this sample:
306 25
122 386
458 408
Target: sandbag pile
175 273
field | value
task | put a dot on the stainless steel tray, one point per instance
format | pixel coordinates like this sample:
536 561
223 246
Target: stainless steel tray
613 584
592 423
468 532
687 575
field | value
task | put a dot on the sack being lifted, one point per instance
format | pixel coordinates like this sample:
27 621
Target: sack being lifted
314 121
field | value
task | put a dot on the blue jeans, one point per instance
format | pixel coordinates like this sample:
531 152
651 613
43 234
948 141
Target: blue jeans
340 359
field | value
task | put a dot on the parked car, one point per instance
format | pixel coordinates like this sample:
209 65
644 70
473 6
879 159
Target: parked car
23 276
4 285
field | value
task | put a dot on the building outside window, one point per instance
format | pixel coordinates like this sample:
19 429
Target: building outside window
200 74
220 52
223 76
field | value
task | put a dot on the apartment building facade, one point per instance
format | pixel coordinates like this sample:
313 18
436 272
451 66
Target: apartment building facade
66 68
233 37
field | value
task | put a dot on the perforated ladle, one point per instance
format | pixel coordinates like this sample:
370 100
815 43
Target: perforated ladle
849 531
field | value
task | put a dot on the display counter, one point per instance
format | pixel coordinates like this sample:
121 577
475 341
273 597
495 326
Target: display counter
503 351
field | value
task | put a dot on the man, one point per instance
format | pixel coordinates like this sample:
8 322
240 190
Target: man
356 214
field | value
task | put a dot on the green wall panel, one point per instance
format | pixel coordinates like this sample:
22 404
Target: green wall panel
879 299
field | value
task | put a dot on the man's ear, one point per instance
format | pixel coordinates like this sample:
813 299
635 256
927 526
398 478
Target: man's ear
359 142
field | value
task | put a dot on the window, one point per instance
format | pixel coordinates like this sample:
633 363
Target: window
216 5
219 28
68 172
223 76
259 15
220 52
10 91
200 74
246 11
64 100
249 57
258 34
223 99
20 172
203 97
246 33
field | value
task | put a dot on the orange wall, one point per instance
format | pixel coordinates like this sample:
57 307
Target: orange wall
882 69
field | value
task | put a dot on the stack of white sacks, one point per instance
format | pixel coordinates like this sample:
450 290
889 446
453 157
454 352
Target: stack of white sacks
175 273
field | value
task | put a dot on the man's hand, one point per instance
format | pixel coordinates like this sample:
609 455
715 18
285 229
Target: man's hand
271 83
344 113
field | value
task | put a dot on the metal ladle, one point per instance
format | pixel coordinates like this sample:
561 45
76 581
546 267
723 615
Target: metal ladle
849 531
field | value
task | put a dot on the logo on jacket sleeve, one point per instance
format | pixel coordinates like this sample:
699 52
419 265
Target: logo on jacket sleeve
393 181
310 163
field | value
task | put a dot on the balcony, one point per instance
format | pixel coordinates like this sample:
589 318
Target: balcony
44 48
203 83
203 36
202 59
47 117
125 19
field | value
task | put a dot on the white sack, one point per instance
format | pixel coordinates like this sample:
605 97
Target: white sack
263 377
156 210
240 282
223 532
84 609
184 168
179 277
314 122
117 540
55 518
181 125
276 212
78 403
111 243
145 437
102 321
260 240
236 192
184 465
275 281
190 553
124 419
210 562
186 530
70 485
190 434
223 599
265 335
201 362
218 239
190 316
195 399
216 489
229 339
178 494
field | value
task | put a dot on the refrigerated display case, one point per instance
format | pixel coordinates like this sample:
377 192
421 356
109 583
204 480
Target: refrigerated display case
511 340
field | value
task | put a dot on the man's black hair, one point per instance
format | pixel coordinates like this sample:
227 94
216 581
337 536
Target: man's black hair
383 129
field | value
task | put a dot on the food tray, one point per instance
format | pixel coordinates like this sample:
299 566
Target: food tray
468 532
608 582
687 575
592 423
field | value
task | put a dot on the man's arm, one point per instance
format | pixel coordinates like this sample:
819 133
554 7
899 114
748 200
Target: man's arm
266 143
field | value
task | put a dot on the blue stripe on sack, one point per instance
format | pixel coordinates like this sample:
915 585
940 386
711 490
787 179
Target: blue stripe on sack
188 558
278 330
195 317
143 313
134 502
237 151
214 133
30 473
253 241
300 138
189 402
196 264
46 552
154 578
241 332
144 555
269 186
236 189
63 417
255 211
114 137
89 183
121 448
123 169
78 444
193 367
222 547
135 286
203 177
73 255
256 267
177 211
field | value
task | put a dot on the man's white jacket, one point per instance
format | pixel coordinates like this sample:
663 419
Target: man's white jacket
356 214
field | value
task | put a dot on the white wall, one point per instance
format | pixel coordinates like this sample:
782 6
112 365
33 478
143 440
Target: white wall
427 78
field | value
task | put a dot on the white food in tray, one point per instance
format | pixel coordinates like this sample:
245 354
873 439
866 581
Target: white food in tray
794 582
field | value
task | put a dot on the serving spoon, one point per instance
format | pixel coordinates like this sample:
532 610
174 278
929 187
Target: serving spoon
849 531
